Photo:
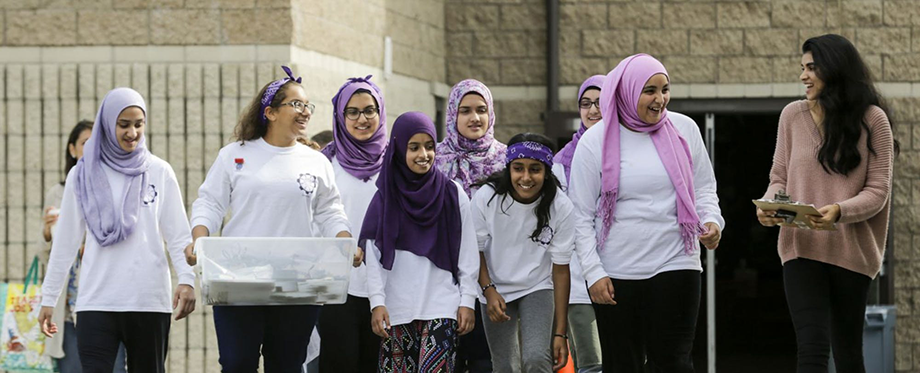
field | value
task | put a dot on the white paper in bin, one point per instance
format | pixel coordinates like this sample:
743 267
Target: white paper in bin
274 271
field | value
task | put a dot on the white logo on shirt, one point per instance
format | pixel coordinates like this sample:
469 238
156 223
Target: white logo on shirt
150 195
307 184
545 237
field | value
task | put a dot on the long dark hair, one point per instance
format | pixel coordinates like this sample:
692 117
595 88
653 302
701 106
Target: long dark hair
69 160
847 95
501 182
250 126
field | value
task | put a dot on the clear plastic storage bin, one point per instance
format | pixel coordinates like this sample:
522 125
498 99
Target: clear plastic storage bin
274 271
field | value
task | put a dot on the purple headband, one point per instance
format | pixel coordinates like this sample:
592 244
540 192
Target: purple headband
273 89
532 150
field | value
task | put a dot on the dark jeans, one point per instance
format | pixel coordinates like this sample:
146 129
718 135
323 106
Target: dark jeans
828 308
280 334
347 343
651 329
144 334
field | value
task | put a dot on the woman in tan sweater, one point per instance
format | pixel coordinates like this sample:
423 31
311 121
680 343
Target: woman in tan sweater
833 150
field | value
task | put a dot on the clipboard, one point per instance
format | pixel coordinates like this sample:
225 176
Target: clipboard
800 211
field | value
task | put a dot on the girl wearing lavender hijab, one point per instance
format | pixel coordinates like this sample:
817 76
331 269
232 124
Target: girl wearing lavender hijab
421 257
584 340
359 139
526 235
642 178
275 187
469 154
834 149
126 202
63 346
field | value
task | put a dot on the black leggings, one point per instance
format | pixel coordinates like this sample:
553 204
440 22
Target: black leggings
144 334
828 306
651 329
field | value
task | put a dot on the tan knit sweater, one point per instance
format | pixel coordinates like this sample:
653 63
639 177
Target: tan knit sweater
859 242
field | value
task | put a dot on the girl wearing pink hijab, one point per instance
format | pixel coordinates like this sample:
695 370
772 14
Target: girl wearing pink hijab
645 195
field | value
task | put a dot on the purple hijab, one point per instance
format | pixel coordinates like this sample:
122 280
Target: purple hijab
469 161
564 156
361 159
94 194
416 213
619 105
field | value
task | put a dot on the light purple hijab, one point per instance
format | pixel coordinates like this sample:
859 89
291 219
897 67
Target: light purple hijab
564 156
94 193
469 161
619 105
361 159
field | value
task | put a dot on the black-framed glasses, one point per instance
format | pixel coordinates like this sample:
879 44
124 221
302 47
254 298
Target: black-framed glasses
369 112
586 104
300 106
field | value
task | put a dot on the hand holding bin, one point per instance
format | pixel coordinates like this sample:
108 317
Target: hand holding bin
274 270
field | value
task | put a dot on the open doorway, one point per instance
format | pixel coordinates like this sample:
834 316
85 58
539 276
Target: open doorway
754 332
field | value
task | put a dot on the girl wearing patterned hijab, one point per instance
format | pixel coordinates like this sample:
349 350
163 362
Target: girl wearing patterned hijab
645 193
470 153
421 255
347 343
127 203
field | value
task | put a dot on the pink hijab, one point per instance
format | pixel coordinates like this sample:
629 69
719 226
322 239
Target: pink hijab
619 105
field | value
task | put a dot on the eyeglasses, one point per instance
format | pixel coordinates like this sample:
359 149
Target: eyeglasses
586 104
369 112
300 106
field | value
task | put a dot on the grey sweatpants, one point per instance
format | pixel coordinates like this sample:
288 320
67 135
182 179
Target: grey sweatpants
584 339
523 343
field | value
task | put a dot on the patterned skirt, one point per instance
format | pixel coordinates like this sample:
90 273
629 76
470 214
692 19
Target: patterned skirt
421 346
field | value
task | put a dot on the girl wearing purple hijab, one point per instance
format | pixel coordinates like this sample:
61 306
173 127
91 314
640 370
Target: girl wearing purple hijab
421 257
584 340
645 194
470 153
127 203
275 187
347 343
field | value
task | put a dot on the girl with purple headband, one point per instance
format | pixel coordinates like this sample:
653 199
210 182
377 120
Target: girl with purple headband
526 235
421 257
359 140
275 187
584 340
126 202
644 194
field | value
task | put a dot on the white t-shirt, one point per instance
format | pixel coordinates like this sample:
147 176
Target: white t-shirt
416 289
517 265
578 293
356 196
644 239
271 192
132 275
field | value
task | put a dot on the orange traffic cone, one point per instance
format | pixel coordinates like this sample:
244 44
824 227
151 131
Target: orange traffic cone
569 364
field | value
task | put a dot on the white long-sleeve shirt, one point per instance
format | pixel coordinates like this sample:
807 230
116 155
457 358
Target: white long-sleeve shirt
517 265
416 289
356 196
132 275
271 192
578 292
644 239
